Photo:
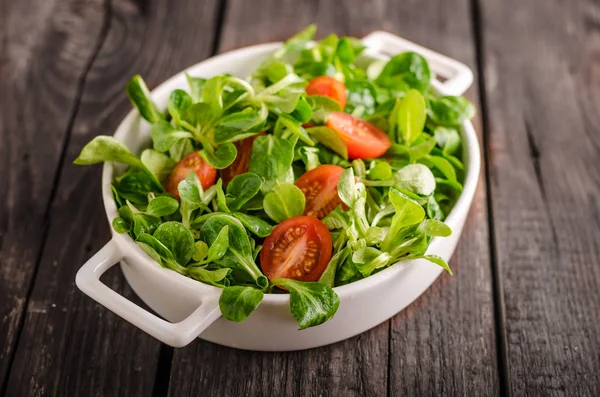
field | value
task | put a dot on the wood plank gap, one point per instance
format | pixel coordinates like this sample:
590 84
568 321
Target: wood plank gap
497 289
220 17
389 360
56 180
163 371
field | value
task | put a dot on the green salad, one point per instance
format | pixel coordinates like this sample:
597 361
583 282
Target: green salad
322 168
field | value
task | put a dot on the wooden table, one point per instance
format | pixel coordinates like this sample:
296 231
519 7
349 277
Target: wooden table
521 315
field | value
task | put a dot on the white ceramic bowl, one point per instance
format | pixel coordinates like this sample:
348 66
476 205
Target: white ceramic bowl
191 307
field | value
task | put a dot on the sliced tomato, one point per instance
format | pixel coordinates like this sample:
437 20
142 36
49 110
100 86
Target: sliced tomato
192 162
319 186
298 248
242 160
363 139
329 87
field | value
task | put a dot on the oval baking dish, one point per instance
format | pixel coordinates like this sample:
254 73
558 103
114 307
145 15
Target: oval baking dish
191 307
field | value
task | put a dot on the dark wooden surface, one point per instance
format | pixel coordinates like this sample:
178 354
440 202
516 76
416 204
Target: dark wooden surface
522 313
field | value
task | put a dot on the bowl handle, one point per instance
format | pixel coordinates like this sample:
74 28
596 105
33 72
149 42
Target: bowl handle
173 334
458 77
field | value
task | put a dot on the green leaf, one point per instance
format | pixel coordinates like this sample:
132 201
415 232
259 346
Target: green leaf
375 235
328 276
256 225
448 139
347 273
336 219
347 188
380 171
369 259
345 52
283 202
200 251
192 197
165 136
135 186
433 209
162 206
159 252
296 42
322 107
277 71
434 228
212 96
106 148
216 277
421 149
179 101
221 157
178 239
241 189
283 102
138 93
196 84
360 99
142 223
450 110
158 163
416 178
201 117
309 156
311 303
287 125
182 148
411 113
407 68
271 157
239 255
237 303
302 111
434 259
240 125
120 225
442 165
219 246
408 213
328 138
221 199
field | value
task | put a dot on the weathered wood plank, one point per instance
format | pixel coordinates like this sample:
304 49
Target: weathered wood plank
444 343
44 49
69 344
541 74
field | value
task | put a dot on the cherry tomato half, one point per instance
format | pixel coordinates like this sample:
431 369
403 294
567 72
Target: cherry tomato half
241 162
298 248
329 87
363 139
319 186
192 162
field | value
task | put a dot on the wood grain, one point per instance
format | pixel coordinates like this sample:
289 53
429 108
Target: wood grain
444 343
70 345
45 48
542 91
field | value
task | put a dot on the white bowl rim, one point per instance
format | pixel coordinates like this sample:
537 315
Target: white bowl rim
471 157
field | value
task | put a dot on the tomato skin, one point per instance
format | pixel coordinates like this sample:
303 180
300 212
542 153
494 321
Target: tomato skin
192 162
329 87
242 160
319 186
298 248
363 139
